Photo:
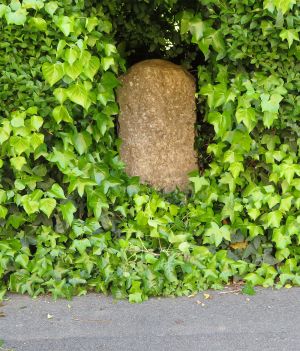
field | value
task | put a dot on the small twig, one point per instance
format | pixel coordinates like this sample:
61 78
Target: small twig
92 320
230 291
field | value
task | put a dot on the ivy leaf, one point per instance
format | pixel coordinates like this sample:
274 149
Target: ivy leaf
221 122
3 211
36 140
169 269
248 289
290 35
92 67
199 183
47 206
36 122
216 94
269 118
38 23
281 239
247 116
284 5
3 10
61 95
18 17
270 103
18 162
73 70
60 113
272 219
91 23
51 7
68 210
30 204
285 204
79 95
236 168
71 54
33 4
196 27
81 245
109 81
53 72
22 260
56 191
107 62
65 24
82 141
216 234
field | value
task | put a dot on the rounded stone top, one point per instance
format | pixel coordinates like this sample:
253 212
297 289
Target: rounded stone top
159 65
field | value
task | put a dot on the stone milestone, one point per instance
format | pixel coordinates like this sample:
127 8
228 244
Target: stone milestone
157 123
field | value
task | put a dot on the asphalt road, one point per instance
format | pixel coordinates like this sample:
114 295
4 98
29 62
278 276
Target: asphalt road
270 320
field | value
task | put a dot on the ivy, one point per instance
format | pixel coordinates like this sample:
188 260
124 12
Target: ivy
72 221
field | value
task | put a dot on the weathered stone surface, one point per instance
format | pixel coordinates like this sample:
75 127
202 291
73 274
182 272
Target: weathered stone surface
157 123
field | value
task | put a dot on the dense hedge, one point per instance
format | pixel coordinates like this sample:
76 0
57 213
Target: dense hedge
73 221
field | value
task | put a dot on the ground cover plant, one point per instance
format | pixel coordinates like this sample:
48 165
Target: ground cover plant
72 221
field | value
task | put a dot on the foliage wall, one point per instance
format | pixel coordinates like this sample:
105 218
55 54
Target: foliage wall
73 221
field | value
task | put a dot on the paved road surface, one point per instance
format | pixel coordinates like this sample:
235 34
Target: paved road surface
270 320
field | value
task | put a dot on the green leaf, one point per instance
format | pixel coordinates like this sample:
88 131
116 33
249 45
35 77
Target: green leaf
33 4
270 103
68 210
36 140
51 7
65 24
273 219
109 80
18 162
81 245
284 5
30 204
92 67
38 23
36 122
18 17
290 35
73 70
107 62
269 118
18 120
281 239
247 116
47 206
236 168
53 72
22 260
91 23
216 234
82 141
221 122
56 191
216 94
60 113
199 183
61 95
170 269
248 289
3 10
78 94
196 27
71 54
3 211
